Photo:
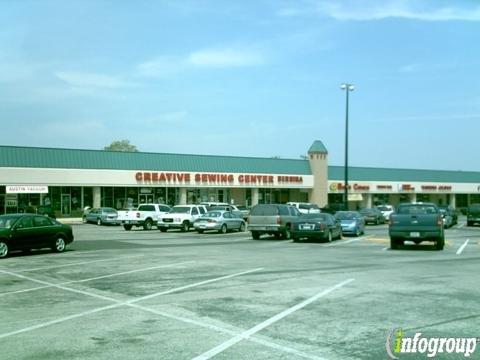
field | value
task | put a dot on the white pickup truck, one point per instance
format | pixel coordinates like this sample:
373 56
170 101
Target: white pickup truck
146 215
181 217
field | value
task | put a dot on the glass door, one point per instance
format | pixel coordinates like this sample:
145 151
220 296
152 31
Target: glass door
66 205
145 199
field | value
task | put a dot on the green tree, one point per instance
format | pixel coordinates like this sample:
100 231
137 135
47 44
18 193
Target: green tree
121 145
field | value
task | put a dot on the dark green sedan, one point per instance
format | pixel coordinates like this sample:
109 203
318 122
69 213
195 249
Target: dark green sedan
32 231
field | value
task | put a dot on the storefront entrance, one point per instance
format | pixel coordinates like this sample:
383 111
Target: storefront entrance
145 199
66 205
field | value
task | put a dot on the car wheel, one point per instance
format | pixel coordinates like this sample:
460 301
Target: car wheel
147 225
200 231
84 219
358 232
163 229
242 227
3 249
295 239
59 244
99 221
223 229
329 236
393 244
255 235
185 226
440 244
127 227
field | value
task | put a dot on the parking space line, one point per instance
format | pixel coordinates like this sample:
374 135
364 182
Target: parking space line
348 241
246 334
78 263
459 251
117 303
202 324
94 278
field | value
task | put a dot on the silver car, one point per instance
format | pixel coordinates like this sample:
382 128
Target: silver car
219 220
101 216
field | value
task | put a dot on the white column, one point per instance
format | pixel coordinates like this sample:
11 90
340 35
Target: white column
254 197
453 200
369 202
97 197
183 196
413 197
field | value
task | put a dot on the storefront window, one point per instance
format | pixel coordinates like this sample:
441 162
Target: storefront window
161 195
120 197
132 198
172 196
107 196
87 197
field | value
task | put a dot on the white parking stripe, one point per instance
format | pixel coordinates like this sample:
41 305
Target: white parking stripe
459 251
94 278
79 263
246 334
117 304
340 242
202 324
461 225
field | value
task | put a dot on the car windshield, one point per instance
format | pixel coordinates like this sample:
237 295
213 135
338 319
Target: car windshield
180 210
346 215
6 222
320 217
109 210
384 208
367 212
417 209
214 214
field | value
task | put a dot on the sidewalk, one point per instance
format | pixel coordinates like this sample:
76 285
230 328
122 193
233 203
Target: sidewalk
70 221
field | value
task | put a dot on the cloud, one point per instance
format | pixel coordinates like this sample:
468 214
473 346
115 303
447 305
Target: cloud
378 10
162 66
227 57
91 80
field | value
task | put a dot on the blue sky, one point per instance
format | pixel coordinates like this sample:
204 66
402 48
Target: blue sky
248 78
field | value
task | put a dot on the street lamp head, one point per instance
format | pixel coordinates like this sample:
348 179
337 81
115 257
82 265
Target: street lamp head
348 87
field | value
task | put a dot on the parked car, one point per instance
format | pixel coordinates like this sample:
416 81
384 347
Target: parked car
101 216
473 214
146 216
316 226
305 208
245 211
31 231
416 222
181 217
372 216
449 215
272 219
386 210
219 220
232 208
352 222
209 204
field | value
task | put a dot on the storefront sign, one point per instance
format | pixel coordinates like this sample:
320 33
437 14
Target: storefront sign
384 187
27 189
214 178
356 187
407 187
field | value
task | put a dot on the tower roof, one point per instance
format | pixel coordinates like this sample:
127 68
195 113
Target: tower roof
318 147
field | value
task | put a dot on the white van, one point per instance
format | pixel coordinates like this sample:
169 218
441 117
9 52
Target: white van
305 208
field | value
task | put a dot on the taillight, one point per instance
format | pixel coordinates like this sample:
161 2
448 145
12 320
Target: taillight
138 215
278 220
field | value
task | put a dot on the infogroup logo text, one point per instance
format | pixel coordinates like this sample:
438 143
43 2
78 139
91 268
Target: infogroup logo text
397 343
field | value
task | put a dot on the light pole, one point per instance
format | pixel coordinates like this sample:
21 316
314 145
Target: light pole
347 87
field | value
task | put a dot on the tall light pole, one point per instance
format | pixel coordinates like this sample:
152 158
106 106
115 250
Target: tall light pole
347 87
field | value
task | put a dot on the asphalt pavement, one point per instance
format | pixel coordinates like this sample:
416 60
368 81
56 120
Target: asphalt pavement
119 294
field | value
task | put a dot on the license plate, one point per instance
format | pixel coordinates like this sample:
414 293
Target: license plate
306 227
415 234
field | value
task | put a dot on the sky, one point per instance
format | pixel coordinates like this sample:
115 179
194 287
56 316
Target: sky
254 78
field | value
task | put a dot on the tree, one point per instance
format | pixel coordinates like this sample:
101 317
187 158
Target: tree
121 145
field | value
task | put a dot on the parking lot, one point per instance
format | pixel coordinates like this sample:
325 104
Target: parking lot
137 294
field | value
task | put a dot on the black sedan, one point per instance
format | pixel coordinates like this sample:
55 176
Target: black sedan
32 231
316 226
373 216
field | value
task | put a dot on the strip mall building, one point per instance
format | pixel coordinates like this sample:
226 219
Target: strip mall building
68 180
